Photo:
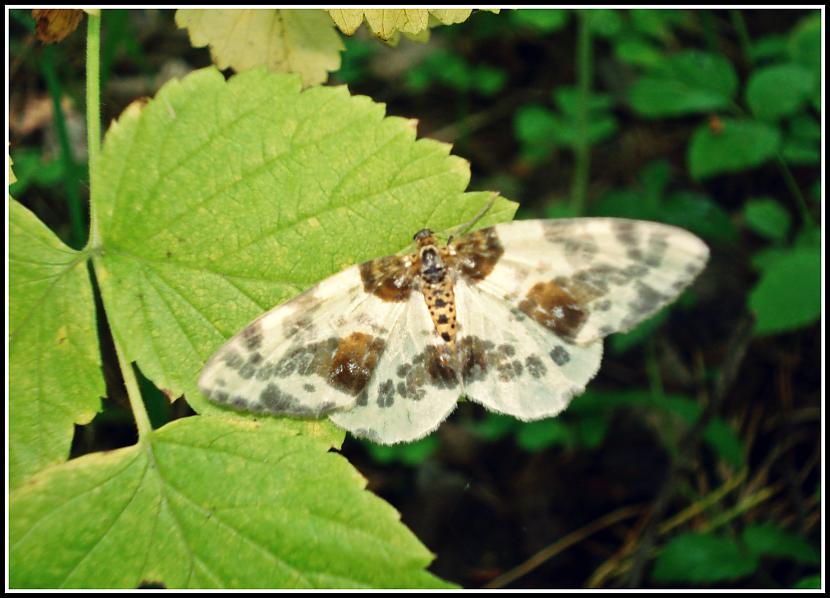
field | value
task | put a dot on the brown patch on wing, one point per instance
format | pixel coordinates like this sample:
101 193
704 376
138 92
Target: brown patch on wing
554 308
355 360
388 278
477 253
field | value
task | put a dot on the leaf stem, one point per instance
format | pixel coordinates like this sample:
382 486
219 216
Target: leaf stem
93 118
70 166
142 420
743 34
582 149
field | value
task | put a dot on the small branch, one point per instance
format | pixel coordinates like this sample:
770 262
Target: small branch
562 544
741 337
582 151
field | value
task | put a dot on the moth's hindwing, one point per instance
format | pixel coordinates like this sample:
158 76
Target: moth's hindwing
415 386
512 364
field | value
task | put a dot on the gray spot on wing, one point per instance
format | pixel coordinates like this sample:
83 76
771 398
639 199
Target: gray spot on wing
560 355
276 400
535 366
252 336
386 394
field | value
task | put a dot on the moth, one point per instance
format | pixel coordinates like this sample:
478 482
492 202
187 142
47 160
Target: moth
511 316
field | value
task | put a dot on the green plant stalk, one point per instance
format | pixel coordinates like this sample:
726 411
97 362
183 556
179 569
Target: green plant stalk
582 151
743 35
792 185
71 169
93 118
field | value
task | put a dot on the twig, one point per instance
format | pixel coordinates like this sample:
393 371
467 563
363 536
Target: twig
562 544
735 352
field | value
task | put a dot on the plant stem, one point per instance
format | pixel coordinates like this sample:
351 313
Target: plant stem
743 35
93 118
71 169
792 185
582 151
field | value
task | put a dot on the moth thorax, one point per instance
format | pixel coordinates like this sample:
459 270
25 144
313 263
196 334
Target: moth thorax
433 269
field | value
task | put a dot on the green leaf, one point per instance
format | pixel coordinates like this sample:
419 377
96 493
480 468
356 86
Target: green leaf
620 343
805 42
605 22
770 48
286 41
638 52
543 21
800 151
788 296
287 514
407 453
700 214
809 583
740 145
702 558
657 24
32 169
488 81
220 200
774 92
685 83
495 426
726 443
568 100
768 539
55 378
536 127
539 435
768 218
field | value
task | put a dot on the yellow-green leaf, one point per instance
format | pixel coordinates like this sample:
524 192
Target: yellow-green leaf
206 502
283 40
385 23
54 363
221 199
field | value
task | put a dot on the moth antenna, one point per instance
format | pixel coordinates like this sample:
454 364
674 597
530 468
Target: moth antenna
463 229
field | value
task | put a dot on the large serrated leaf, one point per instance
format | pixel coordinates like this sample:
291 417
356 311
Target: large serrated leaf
220 200
287 514
386 22
55 376
283 40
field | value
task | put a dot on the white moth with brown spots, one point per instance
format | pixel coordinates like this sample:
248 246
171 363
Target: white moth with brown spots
510 316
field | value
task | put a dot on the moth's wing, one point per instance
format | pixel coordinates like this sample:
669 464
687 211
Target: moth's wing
583 278
415 385
307 357
512 364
